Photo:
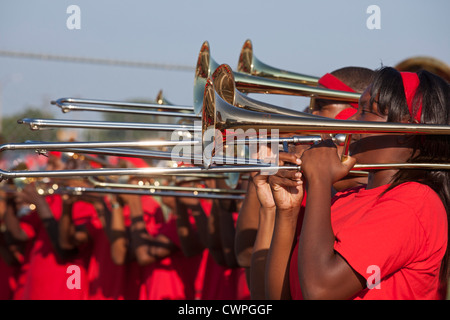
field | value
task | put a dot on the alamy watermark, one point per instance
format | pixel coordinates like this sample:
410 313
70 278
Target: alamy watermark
374 20
73 21
373 281
74 280
235 146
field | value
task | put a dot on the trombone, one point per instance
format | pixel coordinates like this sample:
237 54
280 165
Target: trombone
45 188
224 84
246 83
219 115
158 186
37 124
248 63
78 191
252 76
205 67
170 110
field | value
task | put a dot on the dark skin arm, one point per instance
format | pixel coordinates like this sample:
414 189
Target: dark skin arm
30 195
113 224
5 249
277 245
6 253
214 241
247 226
201 223
227 237
227 230
190 241
148 249
70 236
116 230
324 274
12 222
263 238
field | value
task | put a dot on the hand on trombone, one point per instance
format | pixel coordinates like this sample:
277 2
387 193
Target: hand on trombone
269 187
322 162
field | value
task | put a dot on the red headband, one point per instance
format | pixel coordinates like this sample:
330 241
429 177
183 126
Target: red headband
345 114
331 82
410 84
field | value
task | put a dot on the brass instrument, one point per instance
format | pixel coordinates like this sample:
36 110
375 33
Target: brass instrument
248 63
225 85
246 83
220 115
157 186
78 191
221 106
44 188
63 102
205 67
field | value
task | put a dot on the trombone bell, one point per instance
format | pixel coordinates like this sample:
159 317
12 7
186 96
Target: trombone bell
248 63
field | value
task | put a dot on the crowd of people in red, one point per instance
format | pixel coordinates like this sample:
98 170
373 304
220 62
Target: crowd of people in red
315 233
124 247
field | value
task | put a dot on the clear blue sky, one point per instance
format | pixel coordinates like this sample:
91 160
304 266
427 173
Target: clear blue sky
310 37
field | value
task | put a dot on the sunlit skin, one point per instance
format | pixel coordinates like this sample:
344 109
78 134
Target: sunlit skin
323 273
259 200
377 148
328 108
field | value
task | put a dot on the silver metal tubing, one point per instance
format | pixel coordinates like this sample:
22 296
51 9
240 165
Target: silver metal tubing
195 194
38 124
338 139
62 146
161 155
139 171
219 114
199 170
99 184
65 108
29 145
60 102
247 83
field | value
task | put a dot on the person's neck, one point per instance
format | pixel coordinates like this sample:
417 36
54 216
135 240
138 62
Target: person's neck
380 178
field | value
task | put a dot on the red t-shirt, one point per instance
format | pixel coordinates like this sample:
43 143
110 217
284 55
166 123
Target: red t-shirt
30 224
401 236
154 220
220 282
106 279
49 278
182 271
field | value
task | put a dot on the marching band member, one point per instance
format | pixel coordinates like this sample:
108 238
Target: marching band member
254 229
387 240
50 262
